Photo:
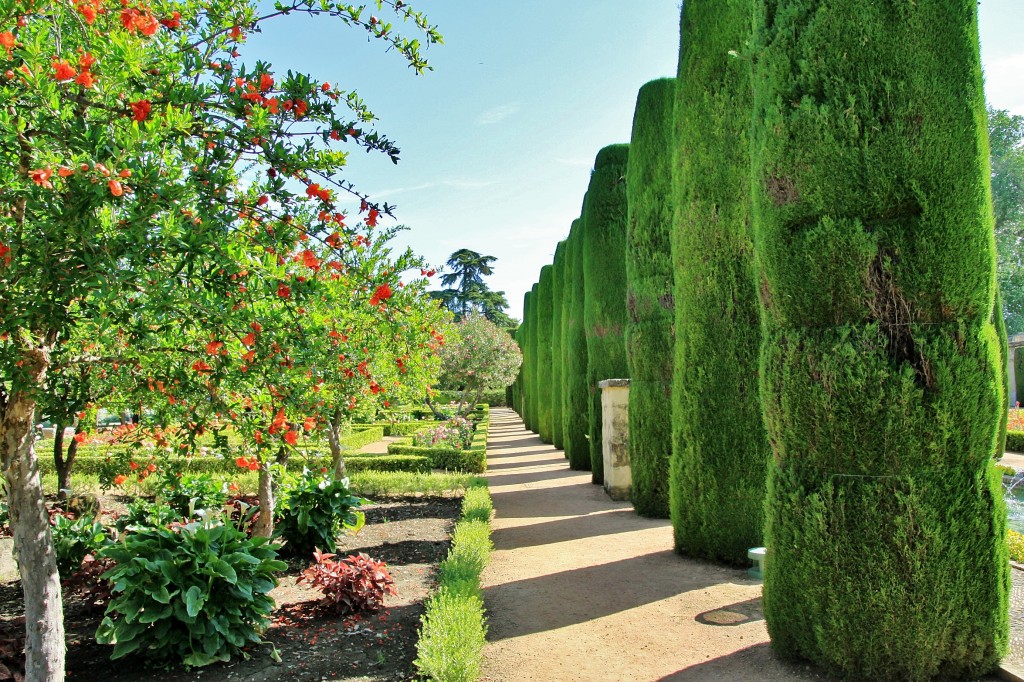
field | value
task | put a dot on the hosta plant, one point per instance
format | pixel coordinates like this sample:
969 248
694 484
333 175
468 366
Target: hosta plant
193 593
313 510
74 539
355 583
144 514
192 492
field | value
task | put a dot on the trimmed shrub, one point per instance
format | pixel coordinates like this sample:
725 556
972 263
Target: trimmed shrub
886 527
452 636
650 300
473 459
720 448
575 397
532 408
604 267
555 376
1015 441
545 425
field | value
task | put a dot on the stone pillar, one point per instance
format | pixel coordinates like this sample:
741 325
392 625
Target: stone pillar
615 437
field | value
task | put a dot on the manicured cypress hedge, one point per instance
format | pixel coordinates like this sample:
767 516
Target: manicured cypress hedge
544 358
527 368
575 396
886 530
650 301
557 292
535 375
604 267
720 448
517 387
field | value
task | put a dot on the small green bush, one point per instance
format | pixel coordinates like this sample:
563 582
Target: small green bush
1006 470
74 539
1015 541
453 631
313 509
452 638
1015 441
193 594
192 492
477 505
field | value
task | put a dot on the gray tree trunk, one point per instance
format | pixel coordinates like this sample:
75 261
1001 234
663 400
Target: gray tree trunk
334 438
264 526
30 525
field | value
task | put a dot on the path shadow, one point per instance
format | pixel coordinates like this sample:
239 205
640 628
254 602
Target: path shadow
740 613
495 452
740 664
532 477
564 530
539 502
528 607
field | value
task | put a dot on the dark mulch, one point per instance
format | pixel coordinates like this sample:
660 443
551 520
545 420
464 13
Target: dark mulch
410 534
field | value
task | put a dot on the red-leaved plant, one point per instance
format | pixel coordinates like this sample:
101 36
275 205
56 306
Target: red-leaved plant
355 583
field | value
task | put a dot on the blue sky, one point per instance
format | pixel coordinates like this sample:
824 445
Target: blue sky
498 141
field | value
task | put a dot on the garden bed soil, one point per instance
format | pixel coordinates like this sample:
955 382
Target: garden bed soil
411 535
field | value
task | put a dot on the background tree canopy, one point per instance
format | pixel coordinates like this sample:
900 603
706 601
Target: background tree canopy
467 293
1006 135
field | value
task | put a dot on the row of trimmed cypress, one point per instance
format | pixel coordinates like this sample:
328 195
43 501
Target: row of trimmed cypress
793 261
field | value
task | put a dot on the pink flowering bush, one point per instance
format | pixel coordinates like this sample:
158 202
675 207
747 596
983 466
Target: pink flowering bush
455 433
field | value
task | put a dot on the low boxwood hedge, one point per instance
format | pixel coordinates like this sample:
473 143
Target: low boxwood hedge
473 460
1015 441
411 462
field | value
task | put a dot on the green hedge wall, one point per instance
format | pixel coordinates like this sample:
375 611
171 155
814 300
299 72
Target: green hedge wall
720 448
519 386
575 396
886 530
528 361
93 465
557 340
1015 441
535 374
544 356
473 460
650 300
604 267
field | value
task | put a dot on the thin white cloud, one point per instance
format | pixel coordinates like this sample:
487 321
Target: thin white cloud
450 184
1004 84
578 162
497 114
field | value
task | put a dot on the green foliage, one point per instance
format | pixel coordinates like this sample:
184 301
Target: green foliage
452 636
575 394
1004 377
650 299
146 514
314 508
349 585
389 484
536 373
557 339
1015 544
1015 441
472 459
193 594
529 360
1006 140
193 492
73 539
604 301
544 304
720 449
477 505
478 356
880 388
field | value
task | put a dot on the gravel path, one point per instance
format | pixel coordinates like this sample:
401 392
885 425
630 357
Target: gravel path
581 588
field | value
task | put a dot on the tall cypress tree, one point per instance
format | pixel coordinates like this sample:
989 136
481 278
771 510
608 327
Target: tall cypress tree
650 300
557 339
517 386
1004 371
604 267
575 396
720 449
885 528
535 372
527 367
544 316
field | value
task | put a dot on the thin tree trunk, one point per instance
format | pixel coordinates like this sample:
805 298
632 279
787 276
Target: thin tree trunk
62 463
264 526
434 410
334 438
30 525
